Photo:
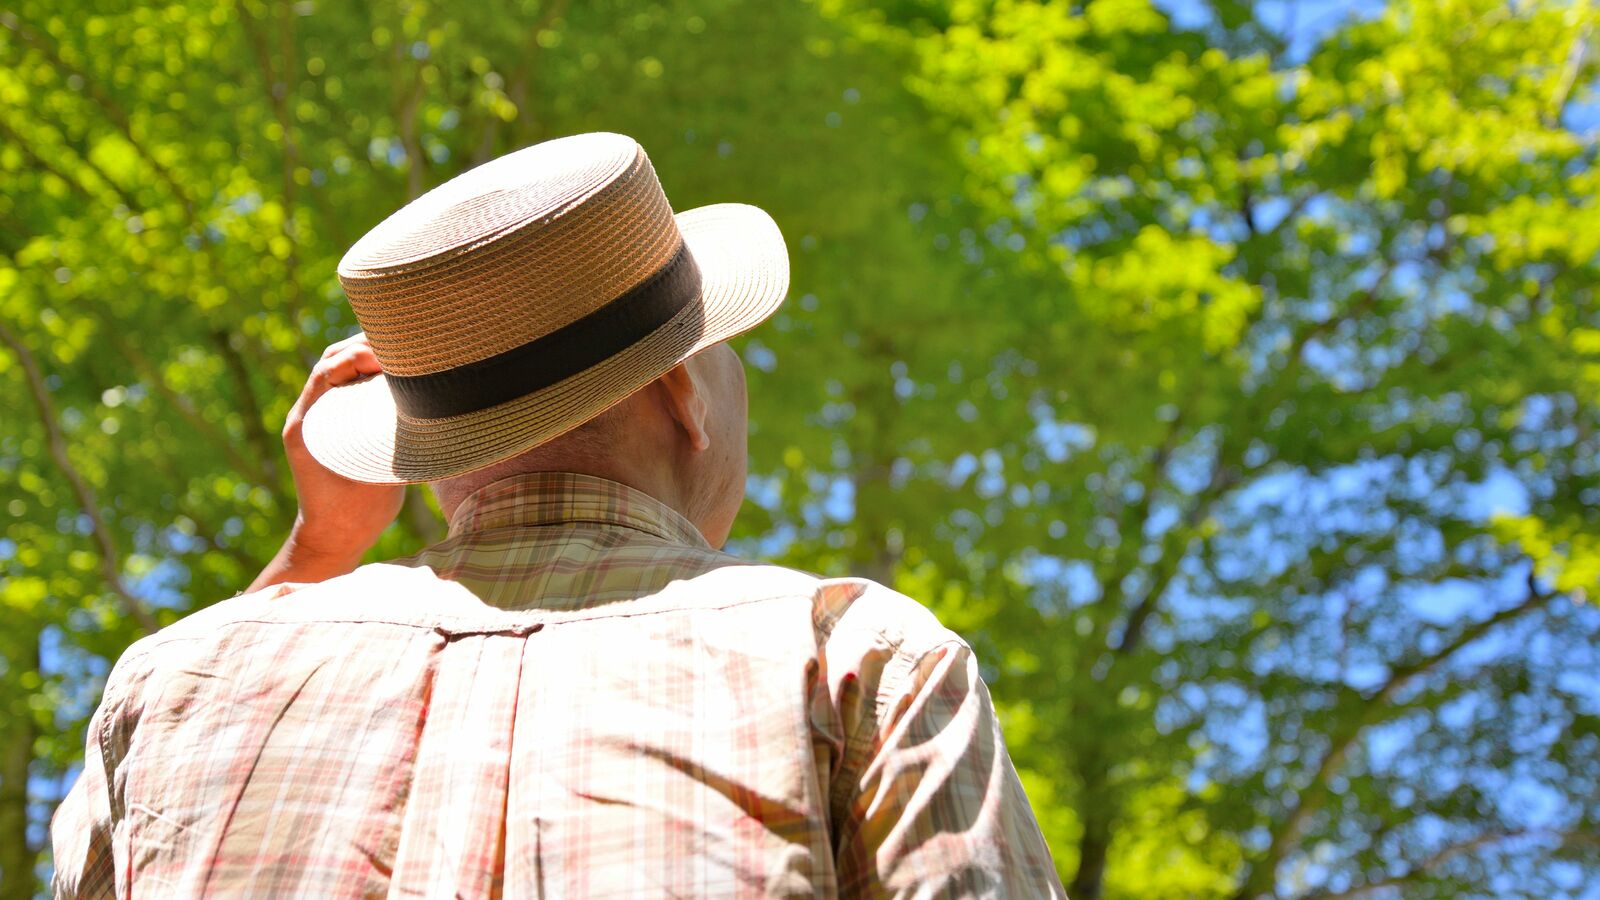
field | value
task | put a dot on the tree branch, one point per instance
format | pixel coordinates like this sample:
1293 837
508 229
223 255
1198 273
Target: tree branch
1400 676
114 112
255 432
1247 208
277 91
1130 525
256 468
1569 72
1362 304
1296 207
42 164
1288 830
247 563
520 92
110 560
1423 867
405 123
1224 474
1223 478
16 140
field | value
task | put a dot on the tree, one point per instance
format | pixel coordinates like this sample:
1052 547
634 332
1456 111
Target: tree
1281 561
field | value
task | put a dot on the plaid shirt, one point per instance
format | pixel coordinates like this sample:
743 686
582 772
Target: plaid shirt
571 696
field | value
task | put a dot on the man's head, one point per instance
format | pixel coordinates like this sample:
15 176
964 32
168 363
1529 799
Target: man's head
552 287
681 439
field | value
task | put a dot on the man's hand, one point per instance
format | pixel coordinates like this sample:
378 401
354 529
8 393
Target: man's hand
339 519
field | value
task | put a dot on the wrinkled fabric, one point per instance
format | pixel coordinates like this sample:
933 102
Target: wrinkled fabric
571 696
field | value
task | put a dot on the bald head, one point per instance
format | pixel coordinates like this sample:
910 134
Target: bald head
681 439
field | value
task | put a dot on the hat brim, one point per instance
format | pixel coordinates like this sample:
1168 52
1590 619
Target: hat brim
356 431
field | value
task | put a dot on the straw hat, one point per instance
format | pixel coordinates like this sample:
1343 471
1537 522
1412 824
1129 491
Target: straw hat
524 297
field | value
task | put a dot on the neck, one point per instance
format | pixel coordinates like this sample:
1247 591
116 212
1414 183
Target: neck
649 480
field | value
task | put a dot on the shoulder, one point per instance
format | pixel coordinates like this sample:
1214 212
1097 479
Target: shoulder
853 606
136 672
273 603
843 611
143 652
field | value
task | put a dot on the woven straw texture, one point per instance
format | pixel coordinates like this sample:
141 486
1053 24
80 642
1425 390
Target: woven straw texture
507 253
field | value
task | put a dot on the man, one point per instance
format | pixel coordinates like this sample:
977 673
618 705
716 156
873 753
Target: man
573 695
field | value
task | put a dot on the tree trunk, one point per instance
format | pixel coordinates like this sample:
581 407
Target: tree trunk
1096 840
17 855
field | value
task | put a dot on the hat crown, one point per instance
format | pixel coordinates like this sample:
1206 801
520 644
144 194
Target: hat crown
509 252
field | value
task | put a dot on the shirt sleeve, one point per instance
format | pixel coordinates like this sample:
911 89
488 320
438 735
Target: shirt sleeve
84 826
935 807
80 832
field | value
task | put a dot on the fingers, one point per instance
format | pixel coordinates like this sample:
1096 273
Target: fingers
346 361
350 364
359 337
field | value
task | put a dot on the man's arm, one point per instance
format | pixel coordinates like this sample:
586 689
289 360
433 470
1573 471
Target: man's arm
935 806
84 826
81 830
338 519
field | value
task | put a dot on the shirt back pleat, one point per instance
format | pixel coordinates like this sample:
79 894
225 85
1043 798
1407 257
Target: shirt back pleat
451 838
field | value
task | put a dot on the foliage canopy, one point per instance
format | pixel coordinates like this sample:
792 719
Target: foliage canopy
1237 399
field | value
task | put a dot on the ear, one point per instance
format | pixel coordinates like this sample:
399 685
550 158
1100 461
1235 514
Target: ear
686 403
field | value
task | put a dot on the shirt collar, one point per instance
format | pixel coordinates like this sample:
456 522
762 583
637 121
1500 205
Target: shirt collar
558 498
